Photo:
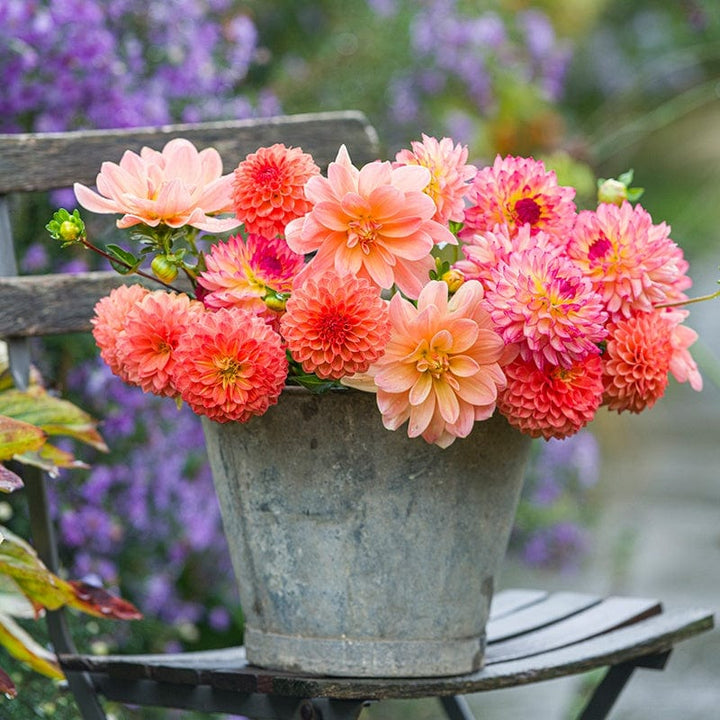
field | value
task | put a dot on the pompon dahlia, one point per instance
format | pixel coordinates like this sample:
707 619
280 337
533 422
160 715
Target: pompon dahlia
268 188
449 174
109 323
484 251
637 360
517 191
441 370
241 273
632 263
554 402
375 223
151 335
335 325
230 365
543 303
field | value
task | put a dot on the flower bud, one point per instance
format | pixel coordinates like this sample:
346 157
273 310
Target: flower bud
164 269
275 301
454 280
613 192
69 231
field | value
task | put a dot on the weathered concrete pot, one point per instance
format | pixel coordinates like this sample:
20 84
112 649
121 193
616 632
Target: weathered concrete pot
358 551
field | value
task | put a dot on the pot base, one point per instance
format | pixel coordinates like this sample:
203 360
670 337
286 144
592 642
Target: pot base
345 657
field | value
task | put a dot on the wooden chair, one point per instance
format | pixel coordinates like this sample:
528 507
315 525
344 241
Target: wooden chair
533 635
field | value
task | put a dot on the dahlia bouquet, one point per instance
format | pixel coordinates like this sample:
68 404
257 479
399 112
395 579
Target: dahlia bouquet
450 291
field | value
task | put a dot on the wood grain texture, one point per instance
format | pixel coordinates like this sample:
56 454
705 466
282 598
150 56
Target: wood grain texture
617 630
43 161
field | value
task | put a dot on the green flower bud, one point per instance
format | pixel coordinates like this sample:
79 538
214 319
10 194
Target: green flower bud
69 231
613 192
164 268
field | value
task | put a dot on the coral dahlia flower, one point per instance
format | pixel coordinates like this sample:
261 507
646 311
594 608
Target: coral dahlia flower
544 304
631 262
554 402
109 323
637 360
441 370
336 325
229 365
375 223
517 191
268 188
241 273
151 335
178 186
449 174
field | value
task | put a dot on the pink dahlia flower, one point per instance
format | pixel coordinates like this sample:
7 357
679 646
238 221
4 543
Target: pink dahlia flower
151 335
109 323
336 325
632 263
485 251
178 186
449 174
375 223
682 365
554 402
268 188
230 365
517 191
543 303
442 366
241 273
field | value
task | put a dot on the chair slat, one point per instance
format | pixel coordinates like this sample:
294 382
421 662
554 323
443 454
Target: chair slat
510 601
602 617
638 640
43 161
550 609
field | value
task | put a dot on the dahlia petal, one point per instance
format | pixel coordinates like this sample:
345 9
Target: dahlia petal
94 202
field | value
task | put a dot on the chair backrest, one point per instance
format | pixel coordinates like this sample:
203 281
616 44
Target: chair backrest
38 305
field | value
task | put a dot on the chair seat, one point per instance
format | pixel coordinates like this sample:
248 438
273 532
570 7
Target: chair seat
532 636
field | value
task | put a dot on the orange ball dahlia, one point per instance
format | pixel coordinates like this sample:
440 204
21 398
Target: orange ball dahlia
151 335
230 365
109 323
554 402
268 188
637 360
336 325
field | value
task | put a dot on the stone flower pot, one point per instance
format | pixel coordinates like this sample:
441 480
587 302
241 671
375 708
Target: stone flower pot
358 551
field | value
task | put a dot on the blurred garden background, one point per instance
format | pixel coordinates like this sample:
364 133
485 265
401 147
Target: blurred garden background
592 87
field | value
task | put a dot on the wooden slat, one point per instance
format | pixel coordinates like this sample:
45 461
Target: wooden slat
510 601
228 672
42 161
547 611
599 618
35 305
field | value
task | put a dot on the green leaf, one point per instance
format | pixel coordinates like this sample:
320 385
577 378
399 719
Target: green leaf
53 415
18 436
313 383
126 263
23 647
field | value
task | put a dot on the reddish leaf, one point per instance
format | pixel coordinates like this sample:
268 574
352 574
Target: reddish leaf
6 685
96 601
9 481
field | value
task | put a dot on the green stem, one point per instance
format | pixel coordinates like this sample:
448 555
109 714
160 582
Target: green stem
118 261
680 303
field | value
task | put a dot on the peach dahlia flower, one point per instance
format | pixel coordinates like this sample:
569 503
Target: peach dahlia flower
178 186
375 223
441 369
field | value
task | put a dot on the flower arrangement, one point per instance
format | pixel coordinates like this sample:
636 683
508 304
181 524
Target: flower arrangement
450 291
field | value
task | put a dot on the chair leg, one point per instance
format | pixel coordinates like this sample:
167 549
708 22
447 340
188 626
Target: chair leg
608 690
456 708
